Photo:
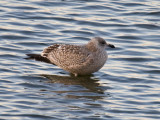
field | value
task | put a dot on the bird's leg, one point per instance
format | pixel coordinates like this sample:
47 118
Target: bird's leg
75 74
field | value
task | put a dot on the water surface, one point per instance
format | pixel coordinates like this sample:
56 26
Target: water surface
126 88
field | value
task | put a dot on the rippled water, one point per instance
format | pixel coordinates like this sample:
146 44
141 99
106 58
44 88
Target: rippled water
126 88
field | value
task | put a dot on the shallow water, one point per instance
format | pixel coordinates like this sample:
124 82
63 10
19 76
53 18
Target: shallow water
126 88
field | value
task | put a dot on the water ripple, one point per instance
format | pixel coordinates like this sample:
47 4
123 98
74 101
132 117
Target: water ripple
127 87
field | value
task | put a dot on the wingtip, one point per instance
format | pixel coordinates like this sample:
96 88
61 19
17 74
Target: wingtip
37 57
31 56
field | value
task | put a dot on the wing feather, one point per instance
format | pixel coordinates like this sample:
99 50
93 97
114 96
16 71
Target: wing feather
64 55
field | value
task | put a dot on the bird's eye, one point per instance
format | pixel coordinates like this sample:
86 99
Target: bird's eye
103 42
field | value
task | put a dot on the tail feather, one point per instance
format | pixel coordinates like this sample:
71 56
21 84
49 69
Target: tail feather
37 57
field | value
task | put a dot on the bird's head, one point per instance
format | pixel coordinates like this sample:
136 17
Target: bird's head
98 43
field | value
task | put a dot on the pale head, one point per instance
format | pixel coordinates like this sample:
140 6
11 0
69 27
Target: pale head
98 43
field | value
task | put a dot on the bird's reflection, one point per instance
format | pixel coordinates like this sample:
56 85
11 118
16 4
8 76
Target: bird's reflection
87 86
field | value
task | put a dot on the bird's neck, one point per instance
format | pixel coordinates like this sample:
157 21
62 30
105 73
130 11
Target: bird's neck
91 47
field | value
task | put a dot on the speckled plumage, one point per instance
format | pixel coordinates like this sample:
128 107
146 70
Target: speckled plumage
77 59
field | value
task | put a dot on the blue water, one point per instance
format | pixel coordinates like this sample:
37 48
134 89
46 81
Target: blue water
126 88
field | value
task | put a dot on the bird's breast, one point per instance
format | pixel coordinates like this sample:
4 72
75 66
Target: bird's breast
100 59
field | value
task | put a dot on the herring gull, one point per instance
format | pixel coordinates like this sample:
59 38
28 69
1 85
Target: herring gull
76 59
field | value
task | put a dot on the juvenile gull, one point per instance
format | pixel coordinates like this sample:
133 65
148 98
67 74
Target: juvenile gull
76 59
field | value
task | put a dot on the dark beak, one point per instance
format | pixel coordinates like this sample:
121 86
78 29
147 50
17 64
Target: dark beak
110 45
